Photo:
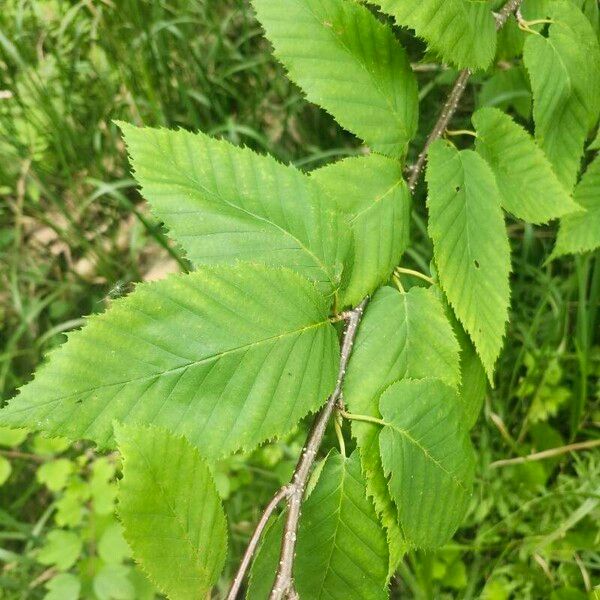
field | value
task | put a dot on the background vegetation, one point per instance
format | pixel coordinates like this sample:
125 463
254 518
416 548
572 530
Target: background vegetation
74 234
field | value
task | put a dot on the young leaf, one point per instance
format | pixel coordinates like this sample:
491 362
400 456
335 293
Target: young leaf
341 552
470 244
401 335
507 88
171 512
564 69
462 32
224 204
528 186
349 63
371 191
426 453
228 356
580 232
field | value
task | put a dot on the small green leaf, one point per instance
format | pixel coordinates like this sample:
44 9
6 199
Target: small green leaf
224 204
12 437
54 474
470 244
580 232
47 446
528 186
427 455
564 69
112 582
349 63
208 355
171 512
112 547
401 335
5 470
61 549
507 88
64 586
462 32
371 192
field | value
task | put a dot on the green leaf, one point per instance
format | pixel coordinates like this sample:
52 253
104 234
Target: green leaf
426 453
112 547
112 582
470 244
349 63
580 232
341 551
564 69
401 335
63 587
224 204
228 356
371 191
12 437
61 549
528 187
54 474
171 512
5 470
462 32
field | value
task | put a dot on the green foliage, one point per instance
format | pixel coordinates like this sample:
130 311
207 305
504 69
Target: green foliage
348 63
529 188
179 345
564 69
580 232
172 517
372 193
224 204
426 452
462 32
470 244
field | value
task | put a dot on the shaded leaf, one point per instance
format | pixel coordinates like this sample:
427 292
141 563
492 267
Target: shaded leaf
349 63
427 455
171 512
207 354
564 69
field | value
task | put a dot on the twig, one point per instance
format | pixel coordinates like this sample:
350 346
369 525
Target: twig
552 452
451 104
251 549
283 580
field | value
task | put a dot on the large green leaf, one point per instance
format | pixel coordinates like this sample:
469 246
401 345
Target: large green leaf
564 69
401 335
171 512
462 32
528 186
427 454
341 551
371 191
349 63
581 232
228 356
224 204
470 244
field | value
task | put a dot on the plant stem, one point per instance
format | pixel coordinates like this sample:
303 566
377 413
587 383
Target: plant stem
252 545
453 100
283 579
415 274
552 452
365 418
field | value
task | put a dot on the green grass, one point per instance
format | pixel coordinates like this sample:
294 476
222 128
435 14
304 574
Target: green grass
74 234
